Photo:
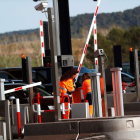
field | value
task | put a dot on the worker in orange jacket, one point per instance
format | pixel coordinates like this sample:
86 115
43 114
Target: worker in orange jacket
66 84
87 91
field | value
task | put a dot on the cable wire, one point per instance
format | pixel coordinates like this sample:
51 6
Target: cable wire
106 58
45 11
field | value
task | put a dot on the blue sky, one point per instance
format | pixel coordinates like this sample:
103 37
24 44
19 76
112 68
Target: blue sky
18 15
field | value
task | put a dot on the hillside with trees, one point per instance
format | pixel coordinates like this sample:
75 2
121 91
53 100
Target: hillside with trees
124 20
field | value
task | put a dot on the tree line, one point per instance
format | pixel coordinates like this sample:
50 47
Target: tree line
12 47
123 19
129 38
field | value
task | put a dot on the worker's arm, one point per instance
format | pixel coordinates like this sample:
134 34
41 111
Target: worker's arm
70 86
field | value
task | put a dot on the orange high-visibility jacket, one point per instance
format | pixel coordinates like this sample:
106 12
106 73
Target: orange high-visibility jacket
86 87
65 86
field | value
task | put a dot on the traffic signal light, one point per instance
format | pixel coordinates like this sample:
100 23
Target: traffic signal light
131 58
47 61
24 69
23 56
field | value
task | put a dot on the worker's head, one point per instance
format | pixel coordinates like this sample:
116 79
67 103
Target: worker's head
71 73
85 76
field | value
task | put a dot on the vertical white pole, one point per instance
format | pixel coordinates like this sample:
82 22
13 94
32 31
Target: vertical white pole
95 44
2 95
42 41
18 119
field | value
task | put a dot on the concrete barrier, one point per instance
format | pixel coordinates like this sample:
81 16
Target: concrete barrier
121 128
117 128
50 131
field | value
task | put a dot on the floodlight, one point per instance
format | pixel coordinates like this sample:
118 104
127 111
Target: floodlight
41 6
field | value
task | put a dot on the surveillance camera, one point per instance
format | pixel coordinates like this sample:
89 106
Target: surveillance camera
41 6
99 52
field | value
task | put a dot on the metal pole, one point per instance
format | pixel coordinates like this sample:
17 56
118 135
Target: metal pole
114 95
29 81
54 63
18 119
56 23
120 91
117 91
103 86
57 33
2 95
136 65
96 94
